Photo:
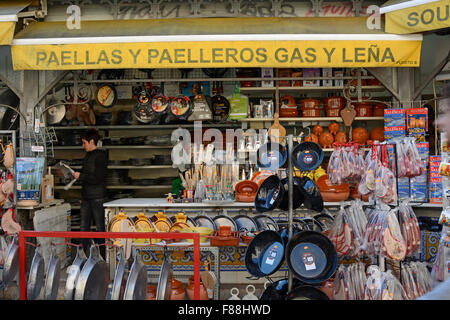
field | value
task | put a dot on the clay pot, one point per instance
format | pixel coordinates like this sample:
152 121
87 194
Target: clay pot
333 127
363 109
288 107
310 107
317 130
378 110
312 138
360 135
377 134
333 106
151 292
340 137
326 140
178 292
190 290
330 192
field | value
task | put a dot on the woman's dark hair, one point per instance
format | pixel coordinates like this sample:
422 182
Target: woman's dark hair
91 134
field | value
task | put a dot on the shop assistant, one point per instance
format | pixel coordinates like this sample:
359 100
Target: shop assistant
93 191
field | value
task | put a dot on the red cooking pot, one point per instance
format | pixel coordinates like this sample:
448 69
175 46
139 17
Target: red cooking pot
333 106
310 107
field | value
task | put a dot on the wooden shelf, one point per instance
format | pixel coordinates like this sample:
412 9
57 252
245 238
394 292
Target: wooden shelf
133 167
122 187
257 90
150 126
114 147
307 119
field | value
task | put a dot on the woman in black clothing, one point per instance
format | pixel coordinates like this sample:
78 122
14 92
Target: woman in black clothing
93 190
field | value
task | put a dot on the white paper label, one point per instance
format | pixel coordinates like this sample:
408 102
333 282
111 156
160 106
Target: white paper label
37 148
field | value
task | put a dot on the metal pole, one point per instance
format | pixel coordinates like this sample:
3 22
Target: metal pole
291 194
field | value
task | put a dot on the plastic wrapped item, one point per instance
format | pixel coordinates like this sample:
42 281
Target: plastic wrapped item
383 286
408 158
346 164
349 282
416 279
410 228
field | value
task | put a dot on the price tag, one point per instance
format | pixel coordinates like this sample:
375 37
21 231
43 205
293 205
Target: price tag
309 261
37 148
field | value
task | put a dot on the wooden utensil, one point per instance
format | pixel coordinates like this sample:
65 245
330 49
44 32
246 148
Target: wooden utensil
348 114
277 132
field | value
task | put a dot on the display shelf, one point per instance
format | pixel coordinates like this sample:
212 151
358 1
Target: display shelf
114 147
133 167
259 90
149 127
320 119
122 187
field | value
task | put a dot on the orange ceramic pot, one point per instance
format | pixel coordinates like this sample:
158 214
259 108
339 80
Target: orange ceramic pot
326 140
288 107
178 292
312 138
333 127
317 130
360 135
310 107
333 106
340 137
363 109
151 292
378 110
245 191
260 176
190 290
377 134
330 192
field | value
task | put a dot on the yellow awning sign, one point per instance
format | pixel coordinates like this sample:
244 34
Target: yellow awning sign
213 42
433 15
308 53
8 19
6 32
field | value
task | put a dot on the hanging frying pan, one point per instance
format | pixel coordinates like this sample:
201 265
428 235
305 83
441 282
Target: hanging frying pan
136 287
181 107
160 104
311 257
224 220
306 293
265 222
164 289
271 156
311 194
313 224
73 272
92 283
269 194
55 112
326 219
264 254
298 197
307 156
53 275
125 117
119 278
246 223
278 290
145 114
106 95
205 221
11 265
143 97
36 276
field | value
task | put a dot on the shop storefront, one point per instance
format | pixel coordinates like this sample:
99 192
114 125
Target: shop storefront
301 111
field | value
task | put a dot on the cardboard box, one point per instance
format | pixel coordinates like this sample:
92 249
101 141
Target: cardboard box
338 73
395 118
327 72
267 73
435 189
390 133
47 187
311 72
403 188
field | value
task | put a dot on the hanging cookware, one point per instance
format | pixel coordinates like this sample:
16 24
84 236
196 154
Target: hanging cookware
164 288
106 95
313 224
224 220
73 272
119 282
144 98
307 156
326 219
271 156
288 107
245 191
245 223
306 293
181 107
160 104
311 257
92 283
56 113
264 254
53 275
36 276
104 119
298 197
220 107
205 221
200 107
125 117
332 193
311 193
11 265
265 222
260 176
269 194
278 290
161 222
145 114
136 287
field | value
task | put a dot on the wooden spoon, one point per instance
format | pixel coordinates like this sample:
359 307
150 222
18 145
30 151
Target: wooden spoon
277 132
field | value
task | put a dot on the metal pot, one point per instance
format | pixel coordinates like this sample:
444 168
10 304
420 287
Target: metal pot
313 198
271 156
307 156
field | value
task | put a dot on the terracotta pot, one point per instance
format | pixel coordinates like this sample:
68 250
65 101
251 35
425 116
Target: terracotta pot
378 110
190 290
317 130
360 135
373 82
363 109
327 288
377 134
333 106
151 292
330 192
340 137
326 140
246 191
310 107
333 127
178 292
312 138
260 176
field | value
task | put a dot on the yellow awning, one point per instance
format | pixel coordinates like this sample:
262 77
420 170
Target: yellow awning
8 19
404 17
212 42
